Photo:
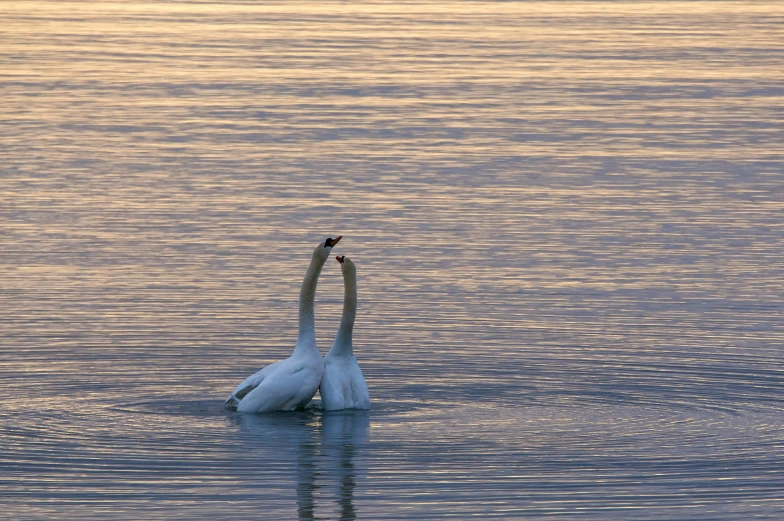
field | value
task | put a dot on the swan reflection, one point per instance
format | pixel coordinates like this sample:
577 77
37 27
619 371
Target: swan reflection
344 440
329 452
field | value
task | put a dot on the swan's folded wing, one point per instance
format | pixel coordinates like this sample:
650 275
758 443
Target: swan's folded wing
290 387
249 384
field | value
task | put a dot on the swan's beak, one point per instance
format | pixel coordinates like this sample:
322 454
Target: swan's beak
339 258
336 240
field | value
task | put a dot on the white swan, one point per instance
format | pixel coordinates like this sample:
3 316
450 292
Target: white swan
290 383
343 386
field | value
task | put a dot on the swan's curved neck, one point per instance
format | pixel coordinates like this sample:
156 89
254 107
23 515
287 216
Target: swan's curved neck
307 313
343 340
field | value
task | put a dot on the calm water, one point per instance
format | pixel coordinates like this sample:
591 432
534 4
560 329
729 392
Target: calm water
567 220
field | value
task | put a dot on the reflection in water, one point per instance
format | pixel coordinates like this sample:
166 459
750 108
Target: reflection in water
344 438
330 462
306 475
287 438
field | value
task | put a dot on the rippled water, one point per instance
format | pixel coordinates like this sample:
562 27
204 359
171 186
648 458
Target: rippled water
567 219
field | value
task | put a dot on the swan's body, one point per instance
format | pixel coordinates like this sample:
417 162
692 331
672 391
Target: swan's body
291 383
343 386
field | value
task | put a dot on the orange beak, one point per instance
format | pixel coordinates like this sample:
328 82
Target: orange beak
336 240
339 258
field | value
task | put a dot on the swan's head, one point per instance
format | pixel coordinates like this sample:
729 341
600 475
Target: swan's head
346 265
323 249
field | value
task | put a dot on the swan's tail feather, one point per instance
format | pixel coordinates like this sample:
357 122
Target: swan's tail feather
231 402
234 399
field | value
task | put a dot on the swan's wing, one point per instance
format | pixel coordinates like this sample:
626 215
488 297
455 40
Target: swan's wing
249 384
291 386
331 390
359 389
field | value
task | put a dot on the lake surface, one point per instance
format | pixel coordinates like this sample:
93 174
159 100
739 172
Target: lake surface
567 219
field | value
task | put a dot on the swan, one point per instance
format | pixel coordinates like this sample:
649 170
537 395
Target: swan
291 383
343 386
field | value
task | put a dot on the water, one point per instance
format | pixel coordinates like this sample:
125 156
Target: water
567 222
